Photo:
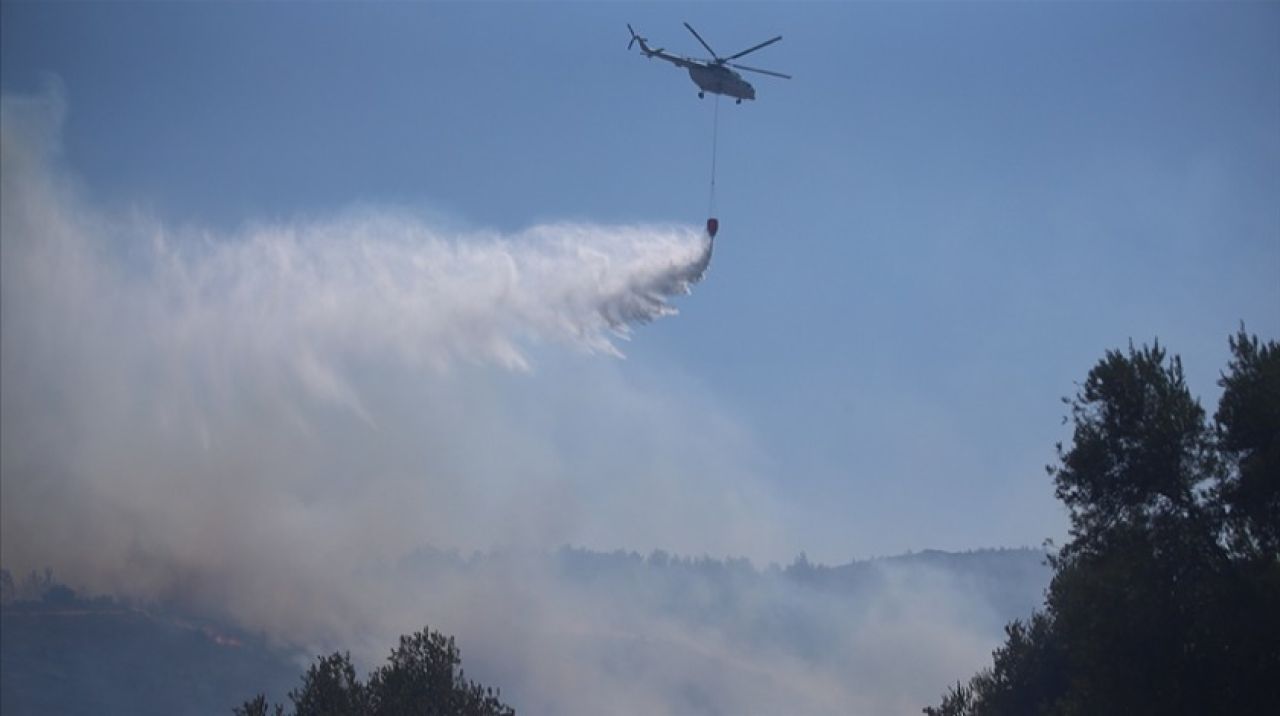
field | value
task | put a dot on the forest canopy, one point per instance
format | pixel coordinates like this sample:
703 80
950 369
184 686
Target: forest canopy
1164 598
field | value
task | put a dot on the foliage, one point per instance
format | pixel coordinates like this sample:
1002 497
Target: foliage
330 688
1141 449
1164 599
1023 679
257 706
1248 429
422 677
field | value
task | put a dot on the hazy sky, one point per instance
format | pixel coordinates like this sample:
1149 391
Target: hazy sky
927 235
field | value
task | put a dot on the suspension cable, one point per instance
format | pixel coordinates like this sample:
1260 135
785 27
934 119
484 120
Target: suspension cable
715 130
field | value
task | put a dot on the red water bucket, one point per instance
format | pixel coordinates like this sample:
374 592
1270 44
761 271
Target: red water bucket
713 225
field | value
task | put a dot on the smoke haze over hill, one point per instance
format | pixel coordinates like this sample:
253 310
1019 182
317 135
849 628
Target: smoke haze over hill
268 425
573 631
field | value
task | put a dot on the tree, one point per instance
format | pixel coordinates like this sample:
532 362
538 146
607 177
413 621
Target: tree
422 677
257 706
1163 601
425 670
330 688
1248 430
1141 450
1025 677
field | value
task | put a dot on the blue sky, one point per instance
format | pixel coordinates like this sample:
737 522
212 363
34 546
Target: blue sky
927 235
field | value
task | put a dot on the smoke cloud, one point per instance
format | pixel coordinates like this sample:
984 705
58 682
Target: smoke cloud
267 424
181 405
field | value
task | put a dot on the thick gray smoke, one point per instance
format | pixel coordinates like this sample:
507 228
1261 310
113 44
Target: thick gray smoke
190 411
263 424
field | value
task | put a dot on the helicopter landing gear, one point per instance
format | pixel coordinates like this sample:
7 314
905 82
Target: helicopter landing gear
701 95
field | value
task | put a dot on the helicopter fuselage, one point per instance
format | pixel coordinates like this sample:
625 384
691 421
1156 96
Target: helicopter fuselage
718 79
712 75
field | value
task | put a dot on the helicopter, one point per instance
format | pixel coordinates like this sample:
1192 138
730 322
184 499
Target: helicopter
712 75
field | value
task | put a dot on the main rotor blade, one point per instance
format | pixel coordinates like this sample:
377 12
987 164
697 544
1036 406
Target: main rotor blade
704 42
763 72
766 43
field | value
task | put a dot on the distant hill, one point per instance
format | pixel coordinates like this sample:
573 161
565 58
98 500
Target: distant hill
64 654
791 606
61 654
1012 580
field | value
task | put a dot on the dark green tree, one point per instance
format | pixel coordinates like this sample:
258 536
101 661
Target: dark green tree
1248 428
257 706
422 677
1026 676
1141 451
330 688
1164 600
